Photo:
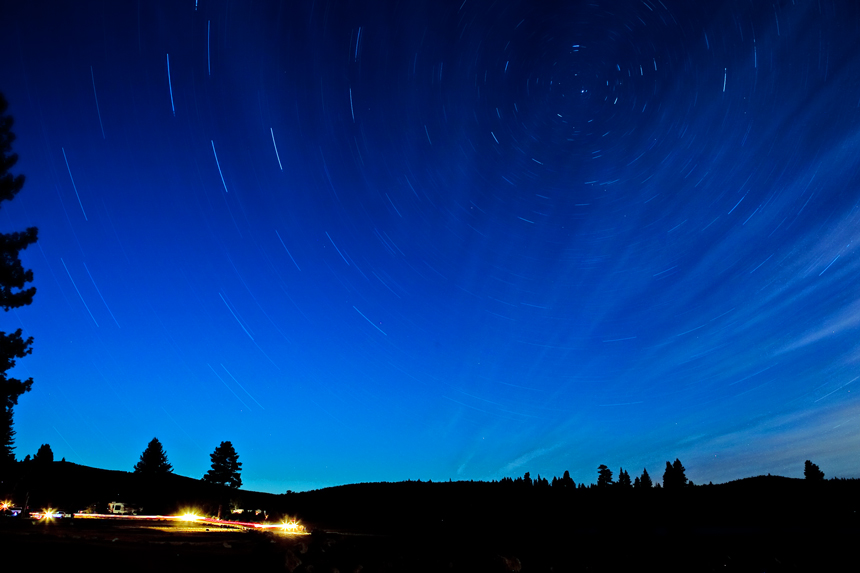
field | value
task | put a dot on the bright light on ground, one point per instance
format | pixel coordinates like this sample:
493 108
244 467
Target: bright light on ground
190 517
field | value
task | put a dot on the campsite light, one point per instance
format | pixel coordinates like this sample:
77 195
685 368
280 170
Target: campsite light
4 505
290 526
190 517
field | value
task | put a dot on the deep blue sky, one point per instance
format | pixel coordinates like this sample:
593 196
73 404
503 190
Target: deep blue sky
493 237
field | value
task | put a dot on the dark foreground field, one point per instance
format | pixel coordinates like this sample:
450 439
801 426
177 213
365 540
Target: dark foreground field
112 546
766 523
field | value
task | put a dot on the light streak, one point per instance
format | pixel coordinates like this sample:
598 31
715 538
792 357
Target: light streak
272 131
77 291
286 249
287 526
242 387
218 163
75 187
236 317
338 250
370 321
228 387
357 40
736 204
100 295
97 102
828 266
170 85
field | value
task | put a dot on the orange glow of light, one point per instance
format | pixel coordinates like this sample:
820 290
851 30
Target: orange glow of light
290 526
190 517
5 505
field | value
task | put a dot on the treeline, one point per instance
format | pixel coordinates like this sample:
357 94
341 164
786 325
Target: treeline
674 478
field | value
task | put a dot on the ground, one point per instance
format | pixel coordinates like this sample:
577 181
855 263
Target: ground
163 547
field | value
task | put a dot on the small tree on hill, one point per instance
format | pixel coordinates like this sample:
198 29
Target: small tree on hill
44 455
645 480
153 460
623 479
225 467
812 472
604 476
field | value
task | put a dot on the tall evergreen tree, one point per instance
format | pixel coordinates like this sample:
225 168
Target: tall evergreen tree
674 477
623 479
812 472
604 476
13 279
645 481
153 460
680 473
225 467
566 481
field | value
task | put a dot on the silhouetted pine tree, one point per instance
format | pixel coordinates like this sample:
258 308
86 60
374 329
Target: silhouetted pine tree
153 460
674 477
44 455
645 480
604 476
566 481
623 479
13 278
812 472
225 467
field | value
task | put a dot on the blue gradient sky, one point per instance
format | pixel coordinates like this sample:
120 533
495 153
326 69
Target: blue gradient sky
432 240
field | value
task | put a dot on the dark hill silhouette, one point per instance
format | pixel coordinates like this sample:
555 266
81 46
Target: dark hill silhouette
74 487
762 502
754 524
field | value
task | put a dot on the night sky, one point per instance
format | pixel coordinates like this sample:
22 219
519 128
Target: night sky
388 240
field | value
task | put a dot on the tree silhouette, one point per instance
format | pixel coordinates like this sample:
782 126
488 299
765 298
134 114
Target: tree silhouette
644 480
44 455
13 278
225 467
566 482
153 460
812 472
604 476
623 479
674 476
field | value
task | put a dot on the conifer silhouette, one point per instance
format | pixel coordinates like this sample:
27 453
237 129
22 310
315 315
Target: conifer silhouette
13 279
153 460
225 467
604 476
812 472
